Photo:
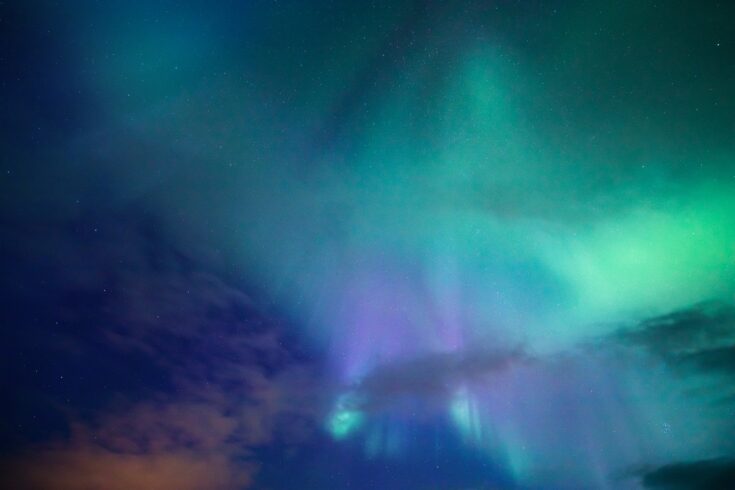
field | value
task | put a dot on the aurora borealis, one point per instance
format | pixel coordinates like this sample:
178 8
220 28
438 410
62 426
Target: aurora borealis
368 245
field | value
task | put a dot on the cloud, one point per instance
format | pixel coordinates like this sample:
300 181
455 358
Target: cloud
84 468
699 339
232 383
175 445
711 474
432 377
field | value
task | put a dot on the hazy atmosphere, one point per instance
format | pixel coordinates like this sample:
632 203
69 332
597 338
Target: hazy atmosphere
411 245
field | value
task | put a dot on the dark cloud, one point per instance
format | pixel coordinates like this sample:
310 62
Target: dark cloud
711 474
231 382
166 445
432 377
700 338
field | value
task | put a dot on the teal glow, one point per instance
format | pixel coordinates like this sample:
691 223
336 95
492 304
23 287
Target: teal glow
345 419
464 414
343 423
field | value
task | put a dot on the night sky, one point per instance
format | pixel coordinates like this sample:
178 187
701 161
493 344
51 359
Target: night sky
319 245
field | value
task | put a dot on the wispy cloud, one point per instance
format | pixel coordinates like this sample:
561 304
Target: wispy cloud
432 377
233 385
710 474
